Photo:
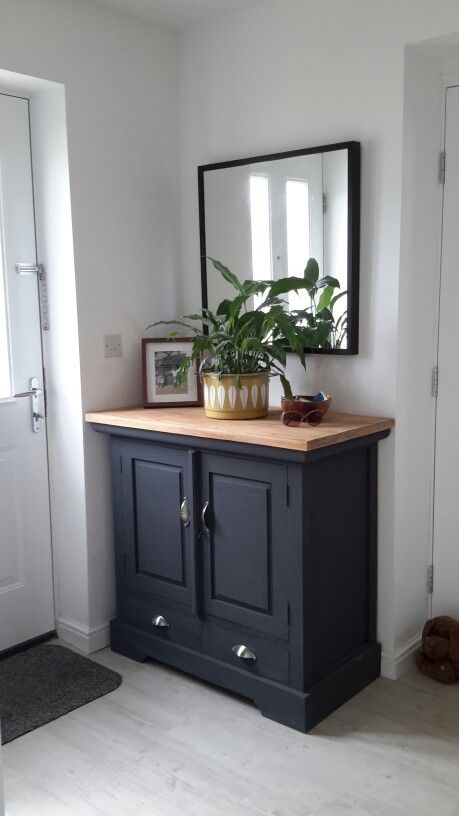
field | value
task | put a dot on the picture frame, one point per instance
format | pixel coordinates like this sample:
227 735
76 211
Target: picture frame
161 357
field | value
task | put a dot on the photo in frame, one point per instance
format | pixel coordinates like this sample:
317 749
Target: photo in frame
161 358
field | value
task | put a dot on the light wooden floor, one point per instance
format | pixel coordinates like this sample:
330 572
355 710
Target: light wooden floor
165 744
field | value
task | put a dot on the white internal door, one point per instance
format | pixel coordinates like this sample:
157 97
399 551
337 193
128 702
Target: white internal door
26 586
445 597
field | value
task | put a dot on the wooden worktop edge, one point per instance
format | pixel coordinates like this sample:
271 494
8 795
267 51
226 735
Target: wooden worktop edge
215 429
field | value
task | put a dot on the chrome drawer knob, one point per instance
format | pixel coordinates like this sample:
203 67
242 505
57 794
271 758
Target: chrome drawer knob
160 622
243 652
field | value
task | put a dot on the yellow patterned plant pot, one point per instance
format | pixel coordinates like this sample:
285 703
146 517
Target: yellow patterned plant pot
224 400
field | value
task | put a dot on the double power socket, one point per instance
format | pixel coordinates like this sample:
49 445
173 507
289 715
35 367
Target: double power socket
112 345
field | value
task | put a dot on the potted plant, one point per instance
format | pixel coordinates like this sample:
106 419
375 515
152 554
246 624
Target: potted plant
243 345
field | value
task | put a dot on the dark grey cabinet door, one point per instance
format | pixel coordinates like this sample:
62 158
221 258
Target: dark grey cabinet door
243 530
157 542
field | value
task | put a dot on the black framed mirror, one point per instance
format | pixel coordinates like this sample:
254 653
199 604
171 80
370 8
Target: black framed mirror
265 216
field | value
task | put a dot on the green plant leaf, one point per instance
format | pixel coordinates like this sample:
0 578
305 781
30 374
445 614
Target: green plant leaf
311 273
304 314
283 285
324 332
173 323
325 298
278 352
328 281
229 276
250 287
224 307
324 314
286 386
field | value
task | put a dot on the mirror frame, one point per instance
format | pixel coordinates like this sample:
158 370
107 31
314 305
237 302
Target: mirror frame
353 235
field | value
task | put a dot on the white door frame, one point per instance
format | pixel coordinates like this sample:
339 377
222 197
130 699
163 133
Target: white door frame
449 80
28 603
66 452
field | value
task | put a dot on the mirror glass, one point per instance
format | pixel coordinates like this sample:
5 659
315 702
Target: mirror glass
265 217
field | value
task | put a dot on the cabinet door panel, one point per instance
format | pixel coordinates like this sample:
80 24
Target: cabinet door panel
158 548
241 551
244 572
157 490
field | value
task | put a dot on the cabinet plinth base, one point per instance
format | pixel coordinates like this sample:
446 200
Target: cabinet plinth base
288 706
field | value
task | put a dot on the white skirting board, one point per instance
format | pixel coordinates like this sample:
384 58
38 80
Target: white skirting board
395 664
86 639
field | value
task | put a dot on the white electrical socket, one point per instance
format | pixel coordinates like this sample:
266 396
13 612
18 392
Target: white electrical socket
112 345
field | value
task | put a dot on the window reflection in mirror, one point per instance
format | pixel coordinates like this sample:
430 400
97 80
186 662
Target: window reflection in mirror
265 218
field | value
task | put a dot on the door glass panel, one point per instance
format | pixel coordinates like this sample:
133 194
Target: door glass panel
5 372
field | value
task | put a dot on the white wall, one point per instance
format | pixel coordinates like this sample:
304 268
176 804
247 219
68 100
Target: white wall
281 75
276 75
417 339
61 357
120 80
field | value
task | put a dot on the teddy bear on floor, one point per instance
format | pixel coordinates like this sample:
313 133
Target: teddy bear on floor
438 656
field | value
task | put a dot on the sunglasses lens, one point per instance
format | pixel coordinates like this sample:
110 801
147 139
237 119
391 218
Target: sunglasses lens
291 419
314 418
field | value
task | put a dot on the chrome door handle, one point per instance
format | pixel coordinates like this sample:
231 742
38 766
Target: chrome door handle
185 514
34 392
243 652
203 518
160 622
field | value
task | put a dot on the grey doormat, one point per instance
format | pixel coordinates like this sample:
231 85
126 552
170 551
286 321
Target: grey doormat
45 682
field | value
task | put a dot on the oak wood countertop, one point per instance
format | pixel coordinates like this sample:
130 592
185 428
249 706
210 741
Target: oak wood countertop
269 431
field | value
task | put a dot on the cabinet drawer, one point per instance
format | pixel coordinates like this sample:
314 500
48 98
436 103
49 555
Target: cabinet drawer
270 659
178 626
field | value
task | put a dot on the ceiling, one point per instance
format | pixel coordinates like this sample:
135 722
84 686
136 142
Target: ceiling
175 13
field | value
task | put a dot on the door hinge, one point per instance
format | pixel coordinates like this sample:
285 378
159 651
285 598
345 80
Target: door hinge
435 381
324 203
40 272
287 495
430 578
442 167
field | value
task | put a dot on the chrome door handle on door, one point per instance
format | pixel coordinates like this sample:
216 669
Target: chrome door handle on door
185 515
203 518
34 392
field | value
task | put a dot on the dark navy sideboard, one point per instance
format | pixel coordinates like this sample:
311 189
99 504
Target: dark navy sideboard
251 566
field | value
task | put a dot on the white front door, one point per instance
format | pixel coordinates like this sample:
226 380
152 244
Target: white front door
26 586
445 598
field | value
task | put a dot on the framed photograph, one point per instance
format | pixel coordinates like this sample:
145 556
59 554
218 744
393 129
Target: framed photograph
161 358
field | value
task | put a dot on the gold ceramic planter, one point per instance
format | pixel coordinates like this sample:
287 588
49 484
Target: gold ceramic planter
224 400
